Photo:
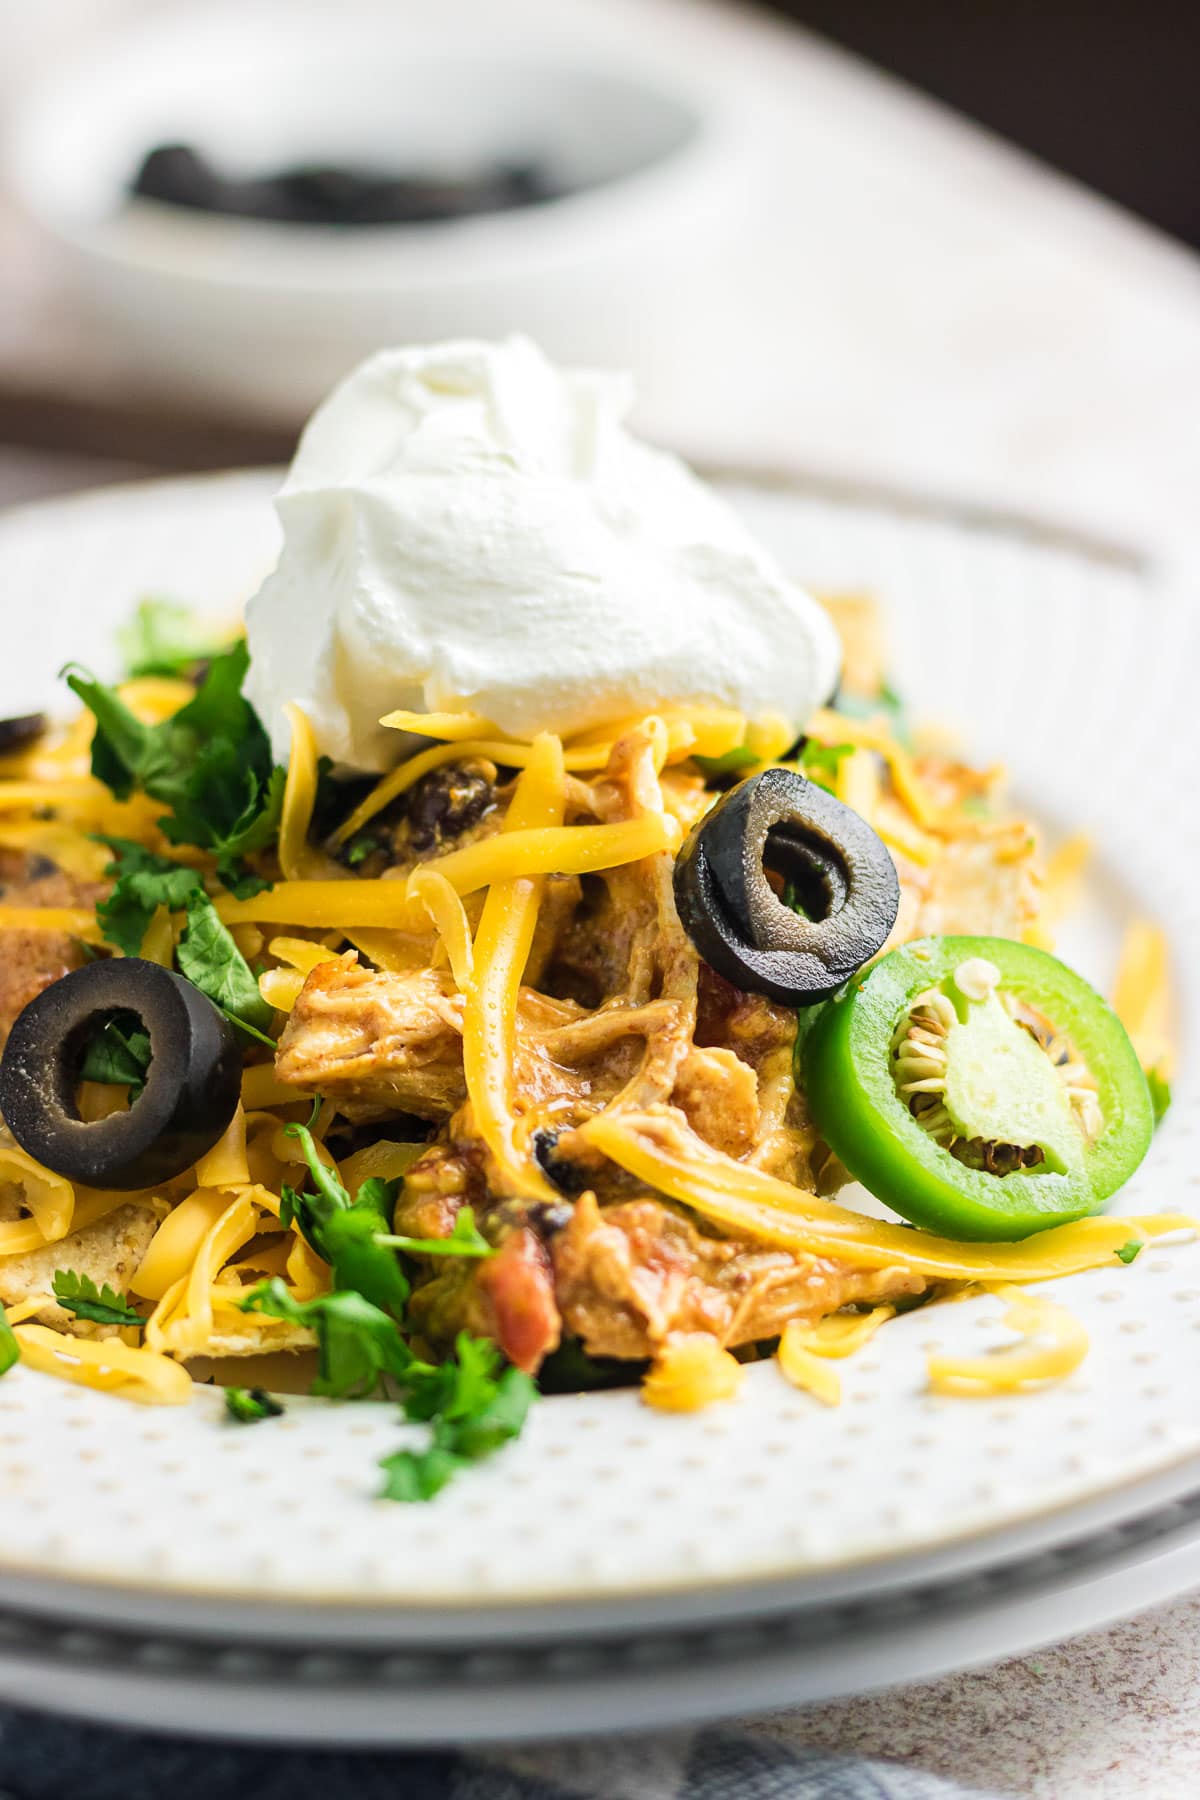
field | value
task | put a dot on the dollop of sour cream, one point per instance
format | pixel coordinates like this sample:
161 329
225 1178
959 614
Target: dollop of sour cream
466 527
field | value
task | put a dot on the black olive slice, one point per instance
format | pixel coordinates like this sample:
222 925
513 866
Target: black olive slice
836 868
18 734
192 1085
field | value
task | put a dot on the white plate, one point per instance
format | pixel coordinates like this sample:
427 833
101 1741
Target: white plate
309 1694
1078 673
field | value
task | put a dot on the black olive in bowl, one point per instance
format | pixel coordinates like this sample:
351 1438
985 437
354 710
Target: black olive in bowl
19 733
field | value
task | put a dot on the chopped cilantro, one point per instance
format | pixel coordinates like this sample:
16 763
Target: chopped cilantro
466 1239
10 1349
473 1405
731 763
886 702
210 764
143 882
821 762
249 1405
1160 1093
793 899
118 1055
357 1343
79 1294
1128 1251
163 638
360 848
350 1235
212 962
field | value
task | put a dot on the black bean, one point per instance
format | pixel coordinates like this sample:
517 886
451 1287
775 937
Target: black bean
446 803
563 1174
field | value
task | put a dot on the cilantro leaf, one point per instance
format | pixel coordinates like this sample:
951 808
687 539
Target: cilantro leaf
118 1055
887 701
164 638
1129 1251
411 1476
466 1239
350 1235
79 1294
473 1409
248 1405
143 883
210 764
10 1349
731 763
357 1343
1160 1094
359 848
212 962
821 762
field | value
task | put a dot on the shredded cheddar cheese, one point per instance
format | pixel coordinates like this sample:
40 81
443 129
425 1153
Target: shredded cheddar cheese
219 1229
492 862
501 950
75 921
804 1368
662 1151
690 1372
1052 1345
1142 994
225 1166
448 916
842 1334
107 1364
49 1198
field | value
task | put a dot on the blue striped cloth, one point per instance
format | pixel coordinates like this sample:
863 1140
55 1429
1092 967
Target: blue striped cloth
50 1759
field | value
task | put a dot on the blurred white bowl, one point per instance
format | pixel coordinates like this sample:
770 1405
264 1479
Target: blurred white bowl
271 314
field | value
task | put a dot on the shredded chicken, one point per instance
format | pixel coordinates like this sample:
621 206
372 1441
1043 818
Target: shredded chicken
629 1276
619 1013
31 960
